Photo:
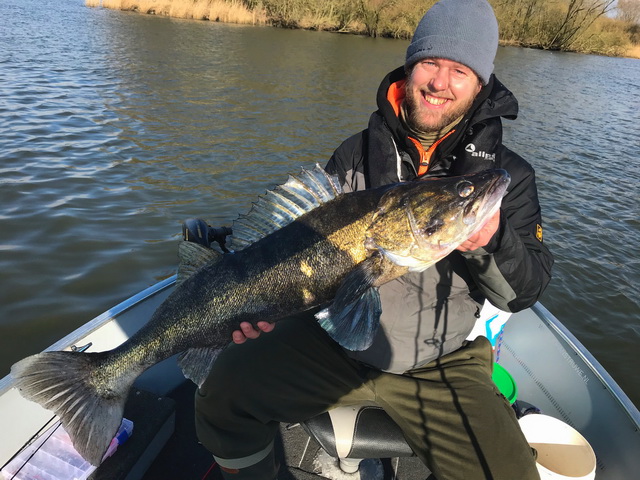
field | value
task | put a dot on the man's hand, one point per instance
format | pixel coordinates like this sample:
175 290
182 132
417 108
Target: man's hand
247 331
482 237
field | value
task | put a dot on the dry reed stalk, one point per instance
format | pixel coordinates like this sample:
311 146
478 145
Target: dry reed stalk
155 7
180 9
200 10
318 21
113 4
92 3
190 9
633 52
133 5
235 12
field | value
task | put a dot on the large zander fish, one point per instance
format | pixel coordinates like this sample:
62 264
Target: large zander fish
304 244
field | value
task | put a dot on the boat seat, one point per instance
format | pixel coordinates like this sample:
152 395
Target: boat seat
353 433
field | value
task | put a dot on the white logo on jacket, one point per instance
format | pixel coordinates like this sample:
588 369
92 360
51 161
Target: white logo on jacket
471 148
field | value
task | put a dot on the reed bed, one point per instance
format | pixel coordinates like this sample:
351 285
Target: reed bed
213 10
528 23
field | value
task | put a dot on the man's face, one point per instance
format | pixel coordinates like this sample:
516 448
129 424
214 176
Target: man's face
438 91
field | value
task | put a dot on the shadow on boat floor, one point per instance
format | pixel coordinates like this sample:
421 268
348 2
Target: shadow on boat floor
183 458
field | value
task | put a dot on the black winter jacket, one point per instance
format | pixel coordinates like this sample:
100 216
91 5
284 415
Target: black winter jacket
428 314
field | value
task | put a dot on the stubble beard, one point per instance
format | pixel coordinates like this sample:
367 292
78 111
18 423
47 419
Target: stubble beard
427 121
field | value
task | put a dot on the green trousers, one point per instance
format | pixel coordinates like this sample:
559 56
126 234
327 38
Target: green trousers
450 411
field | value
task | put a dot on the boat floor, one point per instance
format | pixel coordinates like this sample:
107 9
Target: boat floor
300 457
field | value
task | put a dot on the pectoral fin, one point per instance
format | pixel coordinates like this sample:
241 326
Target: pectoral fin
354 326
352 319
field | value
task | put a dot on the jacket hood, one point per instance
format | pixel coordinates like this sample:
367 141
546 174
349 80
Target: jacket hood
494 100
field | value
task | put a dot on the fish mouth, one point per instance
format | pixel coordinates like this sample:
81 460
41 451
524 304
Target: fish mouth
500 183
487 199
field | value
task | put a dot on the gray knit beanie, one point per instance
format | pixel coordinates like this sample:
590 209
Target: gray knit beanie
465 31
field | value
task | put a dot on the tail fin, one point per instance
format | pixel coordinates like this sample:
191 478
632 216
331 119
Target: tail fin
88 400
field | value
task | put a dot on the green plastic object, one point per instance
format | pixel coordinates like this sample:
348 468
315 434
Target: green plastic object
505 382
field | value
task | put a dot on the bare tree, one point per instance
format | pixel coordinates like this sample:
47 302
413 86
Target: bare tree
522 18
628 11
579 16
371 11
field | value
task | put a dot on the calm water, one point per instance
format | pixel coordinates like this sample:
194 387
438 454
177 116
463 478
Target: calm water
116 127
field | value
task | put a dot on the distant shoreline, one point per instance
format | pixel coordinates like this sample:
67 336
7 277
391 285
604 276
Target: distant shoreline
398 23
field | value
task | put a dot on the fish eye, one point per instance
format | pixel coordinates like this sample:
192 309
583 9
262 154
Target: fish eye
465 189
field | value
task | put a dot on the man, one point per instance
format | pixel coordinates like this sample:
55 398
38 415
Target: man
438 115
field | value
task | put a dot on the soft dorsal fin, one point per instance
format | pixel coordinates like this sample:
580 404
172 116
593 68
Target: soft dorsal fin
193 256
197 362
279 207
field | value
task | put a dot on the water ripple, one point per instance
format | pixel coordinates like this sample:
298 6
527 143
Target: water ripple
116 127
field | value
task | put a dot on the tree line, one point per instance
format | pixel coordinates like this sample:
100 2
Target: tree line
590 26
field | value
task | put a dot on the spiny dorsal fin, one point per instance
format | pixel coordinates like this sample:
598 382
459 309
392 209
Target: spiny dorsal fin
193 256
279 207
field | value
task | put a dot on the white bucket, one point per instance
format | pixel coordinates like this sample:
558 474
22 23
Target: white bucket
563 454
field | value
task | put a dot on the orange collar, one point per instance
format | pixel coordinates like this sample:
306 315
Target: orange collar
396 94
